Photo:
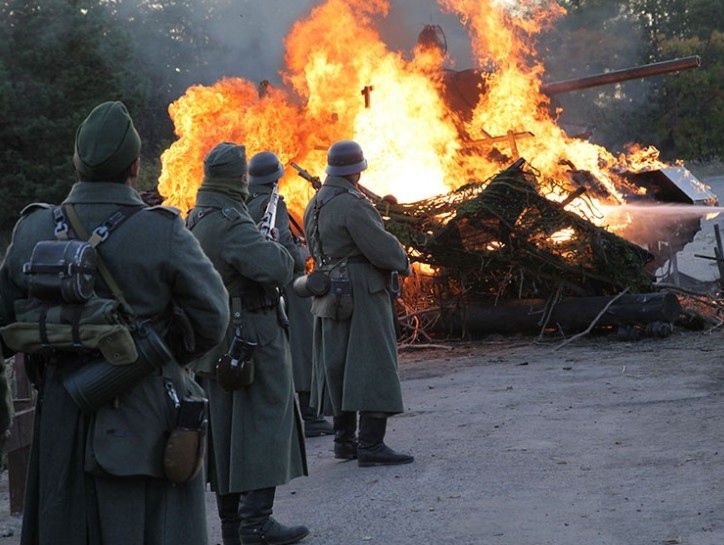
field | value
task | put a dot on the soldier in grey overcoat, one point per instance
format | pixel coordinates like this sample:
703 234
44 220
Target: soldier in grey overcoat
354 334
87 483
264 170
257 440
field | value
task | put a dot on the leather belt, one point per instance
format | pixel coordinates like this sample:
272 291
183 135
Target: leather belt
359 258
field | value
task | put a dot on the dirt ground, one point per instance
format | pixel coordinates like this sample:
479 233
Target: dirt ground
599 442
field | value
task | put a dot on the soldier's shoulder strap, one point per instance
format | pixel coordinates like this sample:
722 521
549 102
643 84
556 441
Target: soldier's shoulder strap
356 192
230 214
32 207
321 200
74 227
170 210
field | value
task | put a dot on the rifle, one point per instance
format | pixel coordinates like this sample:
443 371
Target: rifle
317 183
314 180
269 218
298 237
266 225
374 197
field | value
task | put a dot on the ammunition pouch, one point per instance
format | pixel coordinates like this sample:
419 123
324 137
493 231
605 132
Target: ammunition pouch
316 283
257 298
338 303
97 383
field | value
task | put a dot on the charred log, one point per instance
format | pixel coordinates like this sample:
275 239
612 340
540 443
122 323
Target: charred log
567 316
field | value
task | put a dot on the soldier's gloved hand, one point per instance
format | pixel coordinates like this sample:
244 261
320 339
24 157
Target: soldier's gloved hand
274 234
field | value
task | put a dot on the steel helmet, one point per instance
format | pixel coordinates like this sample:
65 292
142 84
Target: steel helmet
265 168
345 157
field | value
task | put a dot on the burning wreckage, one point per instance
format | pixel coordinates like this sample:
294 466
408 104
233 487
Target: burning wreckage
530 248
497 256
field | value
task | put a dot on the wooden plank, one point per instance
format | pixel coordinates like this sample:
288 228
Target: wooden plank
719 253
17 447
17 471
21 432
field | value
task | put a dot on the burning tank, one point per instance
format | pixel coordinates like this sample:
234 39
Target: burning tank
661 184
464 89
495 201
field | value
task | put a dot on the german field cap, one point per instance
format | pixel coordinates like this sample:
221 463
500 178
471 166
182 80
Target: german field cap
106 142
226 160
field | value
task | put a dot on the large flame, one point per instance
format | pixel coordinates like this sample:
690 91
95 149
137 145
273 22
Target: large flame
342 82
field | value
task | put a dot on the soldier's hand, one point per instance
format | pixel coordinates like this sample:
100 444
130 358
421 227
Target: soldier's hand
304 252
274 234
3 439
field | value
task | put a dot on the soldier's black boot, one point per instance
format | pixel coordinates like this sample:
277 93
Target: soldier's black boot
372 450
258 527
345 435
314 425
228 507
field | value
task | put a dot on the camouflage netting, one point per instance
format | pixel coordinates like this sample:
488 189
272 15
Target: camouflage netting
500 239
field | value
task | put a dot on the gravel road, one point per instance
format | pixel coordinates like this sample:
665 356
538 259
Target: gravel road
601 442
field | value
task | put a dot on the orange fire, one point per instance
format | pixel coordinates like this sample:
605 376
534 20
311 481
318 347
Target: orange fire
416 146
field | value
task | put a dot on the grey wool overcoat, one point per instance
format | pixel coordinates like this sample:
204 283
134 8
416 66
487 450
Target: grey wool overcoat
298 309
355 358
257 439
70 497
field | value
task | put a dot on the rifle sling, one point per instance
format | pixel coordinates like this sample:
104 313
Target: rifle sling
203 212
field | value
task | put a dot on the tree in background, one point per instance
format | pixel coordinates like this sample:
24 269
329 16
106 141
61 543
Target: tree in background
58 60
678 113
688 110
595 37
174 46
691 120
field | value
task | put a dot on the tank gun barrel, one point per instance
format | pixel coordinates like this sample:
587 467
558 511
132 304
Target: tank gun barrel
636 72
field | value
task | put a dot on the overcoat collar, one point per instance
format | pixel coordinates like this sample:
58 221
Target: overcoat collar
103 193
218 200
